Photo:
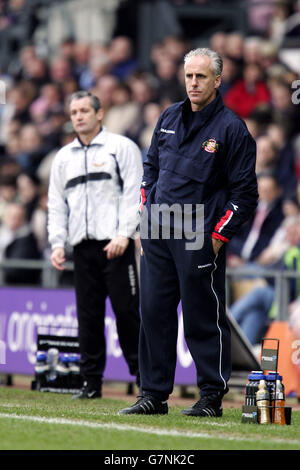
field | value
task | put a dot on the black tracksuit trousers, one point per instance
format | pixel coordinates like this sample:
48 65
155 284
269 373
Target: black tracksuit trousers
96 278
169 273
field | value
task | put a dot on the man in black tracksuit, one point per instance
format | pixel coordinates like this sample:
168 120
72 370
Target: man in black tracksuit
201 153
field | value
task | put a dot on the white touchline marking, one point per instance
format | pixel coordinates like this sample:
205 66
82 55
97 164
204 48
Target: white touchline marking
149 430
85 413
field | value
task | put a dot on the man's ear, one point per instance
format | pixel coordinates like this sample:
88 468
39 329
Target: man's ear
218 81
100 114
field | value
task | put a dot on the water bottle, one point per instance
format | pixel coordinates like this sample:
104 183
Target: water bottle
271 385
41 366
279 413
263 403
74 363
52 360
62 367
252 386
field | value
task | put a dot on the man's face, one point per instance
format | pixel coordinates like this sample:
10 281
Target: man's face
14 217
200 82
267 189
84 118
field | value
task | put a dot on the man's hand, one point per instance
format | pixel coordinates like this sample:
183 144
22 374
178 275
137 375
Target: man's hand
58 258
216 245
116 247
235 261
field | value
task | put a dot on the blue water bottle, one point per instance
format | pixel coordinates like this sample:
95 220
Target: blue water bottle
41 365
252 386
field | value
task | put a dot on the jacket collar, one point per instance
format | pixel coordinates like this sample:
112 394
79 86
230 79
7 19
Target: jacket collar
99 139
206 113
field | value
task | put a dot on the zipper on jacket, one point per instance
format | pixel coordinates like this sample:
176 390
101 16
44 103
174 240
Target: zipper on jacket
86 193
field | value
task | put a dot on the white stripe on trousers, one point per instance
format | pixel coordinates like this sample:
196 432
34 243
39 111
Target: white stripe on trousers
218 315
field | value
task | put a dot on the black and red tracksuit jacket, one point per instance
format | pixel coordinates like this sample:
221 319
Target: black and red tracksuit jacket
206 157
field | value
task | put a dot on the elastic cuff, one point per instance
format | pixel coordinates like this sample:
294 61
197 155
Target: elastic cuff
219 237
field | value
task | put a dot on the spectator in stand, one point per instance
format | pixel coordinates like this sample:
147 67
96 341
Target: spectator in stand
143 89
284 111
255 310
158 54
252 50
282 238
27 54
38 221
60 70
248 92
259 15
252 312
18 242
267 155
68 87
20 99
104 90
36 70
12 148
262 116
217 42
16 26
123 62
168 83
28 192
49 99
10 168
67 49
98 67
285 171
268 55
32 150
124 111
234 48
175 48
229 75
151 114
8 193
80 58
256 234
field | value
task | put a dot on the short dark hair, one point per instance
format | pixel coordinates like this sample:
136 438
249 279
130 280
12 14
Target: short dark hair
95 102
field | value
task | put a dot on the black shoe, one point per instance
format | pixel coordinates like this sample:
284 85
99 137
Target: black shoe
88 391
209 406
147 405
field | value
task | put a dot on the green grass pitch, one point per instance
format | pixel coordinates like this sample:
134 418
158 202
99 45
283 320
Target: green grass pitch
31 420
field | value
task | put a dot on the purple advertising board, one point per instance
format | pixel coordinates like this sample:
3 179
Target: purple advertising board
24 312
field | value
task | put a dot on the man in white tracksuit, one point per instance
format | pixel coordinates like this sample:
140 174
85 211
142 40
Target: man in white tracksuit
93 203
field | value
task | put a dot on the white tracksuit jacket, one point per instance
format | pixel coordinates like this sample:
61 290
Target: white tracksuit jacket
94 190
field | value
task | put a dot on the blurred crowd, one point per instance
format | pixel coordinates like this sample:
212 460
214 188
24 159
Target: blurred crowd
257 84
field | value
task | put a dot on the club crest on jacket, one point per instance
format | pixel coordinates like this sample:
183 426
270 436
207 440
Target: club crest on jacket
210 145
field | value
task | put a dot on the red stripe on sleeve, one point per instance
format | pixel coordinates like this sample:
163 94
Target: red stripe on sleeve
223 221
143 198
